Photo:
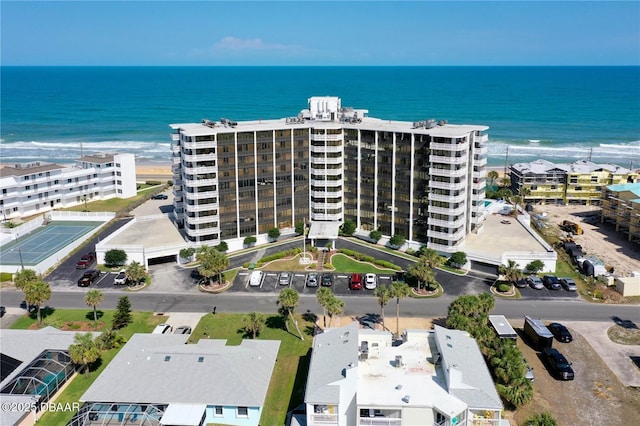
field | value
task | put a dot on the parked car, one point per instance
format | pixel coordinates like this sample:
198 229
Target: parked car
521 283
568 284
312 279
535 282
327 280
29 308
86 260
285 278
551 282
160 197
560 332
183 329
3 311
370 281
162 329
195 274
557 364
121 278
88 278
355 282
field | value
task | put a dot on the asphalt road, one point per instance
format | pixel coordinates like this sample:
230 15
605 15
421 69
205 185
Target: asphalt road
560 310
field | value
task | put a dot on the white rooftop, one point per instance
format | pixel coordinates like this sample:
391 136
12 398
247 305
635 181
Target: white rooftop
382 384
581 166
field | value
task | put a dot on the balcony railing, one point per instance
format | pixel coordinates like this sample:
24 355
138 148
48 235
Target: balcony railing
200 157
325 148
447 160
456 236
315 137
448 198
201 207
447 172
321 216
449 146
379 421
200 144
327 160
446 223
324 419
453 211
447 185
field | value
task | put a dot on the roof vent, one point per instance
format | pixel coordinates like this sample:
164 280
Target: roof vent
167 358
398 387
200 359
398 363
406 399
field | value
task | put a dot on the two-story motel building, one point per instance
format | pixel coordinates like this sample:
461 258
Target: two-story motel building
423 180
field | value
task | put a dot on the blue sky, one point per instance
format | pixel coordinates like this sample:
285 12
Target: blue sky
320 33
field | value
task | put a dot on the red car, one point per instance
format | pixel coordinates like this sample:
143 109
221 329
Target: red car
355 282
86 260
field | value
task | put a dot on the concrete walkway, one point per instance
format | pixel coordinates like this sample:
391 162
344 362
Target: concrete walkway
616 356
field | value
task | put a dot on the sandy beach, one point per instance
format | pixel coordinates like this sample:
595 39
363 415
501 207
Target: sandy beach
153 171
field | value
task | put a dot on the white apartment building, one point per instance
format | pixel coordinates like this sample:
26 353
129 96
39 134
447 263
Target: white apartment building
423 180
37 187
433 378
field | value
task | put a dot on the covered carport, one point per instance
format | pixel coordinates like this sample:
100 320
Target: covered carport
322 234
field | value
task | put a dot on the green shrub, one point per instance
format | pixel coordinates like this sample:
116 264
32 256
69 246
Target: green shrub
375 235
503 287
250 240
222 247
6 276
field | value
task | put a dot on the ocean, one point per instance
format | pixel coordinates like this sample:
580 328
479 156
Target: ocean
555 113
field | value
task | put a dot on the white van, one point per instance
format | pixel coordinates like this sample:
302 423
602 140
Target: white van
256 279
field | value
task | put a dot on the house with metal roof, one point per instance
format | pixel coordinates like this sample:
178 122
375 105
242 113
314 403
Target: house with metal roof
431 377
159 380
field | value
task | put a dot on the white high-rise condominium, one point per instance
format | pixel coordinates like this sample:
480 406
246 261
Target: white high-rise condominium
422 180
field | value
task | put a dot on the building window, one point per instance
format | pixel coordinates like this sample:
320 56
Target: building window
594 179
217 411
243 412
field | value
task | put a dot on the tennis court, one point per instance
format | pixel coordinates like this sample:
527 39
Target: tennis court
46 240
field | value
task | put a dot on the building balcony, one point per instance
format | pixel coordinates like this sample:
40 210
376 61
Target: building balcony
447 172
483 138
324 216
445 248
202 170
379 421
480 184
201 182
315 137
326 206
201 207
200 195
175 137
455 236
446 223
483 149
481 161
448 198
176 167
323 419
453 211
447 185
200 157
327 183
200 144
327 194
202 219
202 232
325 160
447 160
449 146
175 148
325 148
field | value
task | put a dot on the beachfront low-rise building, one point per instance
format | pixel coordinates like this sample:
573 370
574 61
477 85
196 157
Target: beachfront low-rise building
432 377
621 208
422 180
38 187
580 182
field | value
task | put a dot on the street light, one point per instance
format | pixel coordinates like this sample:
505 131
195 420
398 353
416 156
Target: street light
20 254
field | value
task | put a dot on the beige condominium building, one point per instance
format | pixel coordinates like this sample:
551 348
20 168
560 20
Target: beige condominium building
580 182
423 180
621 208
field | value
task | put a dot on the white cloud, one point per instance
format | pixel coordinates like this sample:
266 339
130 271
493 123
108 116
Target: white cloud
238 44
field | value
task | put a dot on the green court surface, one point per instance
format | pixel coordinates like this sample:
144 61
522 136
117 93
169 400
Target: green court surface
32 248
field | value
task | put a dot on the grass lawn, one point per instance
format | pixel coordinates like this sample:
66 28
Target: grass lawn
345 264
286 390
110 205
143 322
292 264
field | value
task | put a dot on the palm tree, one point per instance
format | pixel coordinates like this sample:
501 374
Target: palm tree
323 295
36 293
384 295
493 176
399 290
84 351
511 271
135 272
288 300
23 277
94 298
254 323
505 181
430 257
335 306
212 262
